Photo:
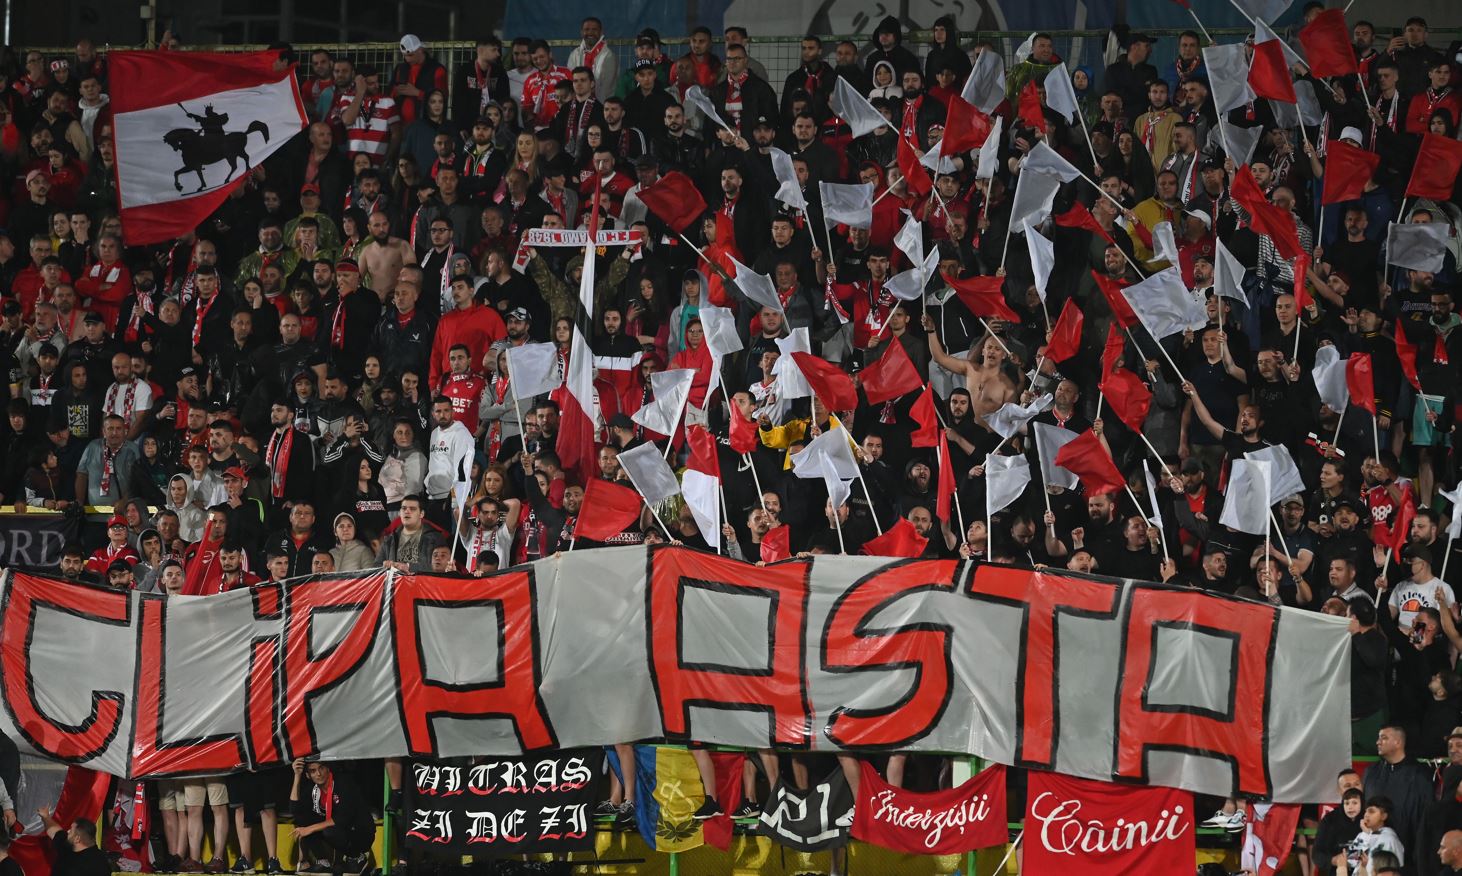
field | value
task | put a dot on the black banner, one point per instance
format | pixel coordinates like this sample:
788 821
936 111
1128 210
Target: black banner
505 805
808 820
35 541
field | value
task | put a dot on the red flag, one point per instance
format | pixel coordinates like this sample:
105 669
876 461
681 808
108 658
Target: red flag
925 414
196 572
1360 381
575 442
1080 217
1269 74
901 540
983 296
915 176
1406 352
1398 534
674 198
1129 397
1066 334
1275 829
965 127
1086 458
831 383
1302 298
703 457
1326 41
1347 168
1266 218
894 818
892 375
1439 352
726 766
83 794
172 110
615 509
1067 816
947 480
1437 166
776 544
1030 112
1112 291
744 435
1112 350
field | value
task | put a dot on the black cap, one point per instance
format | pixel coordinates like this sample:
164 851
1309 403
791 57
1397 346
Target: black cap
621 421
647 161
1345 502
116 565
11 307
763 122
93 317
1211 164
47 349
484 121
1420 552
187 371
644 63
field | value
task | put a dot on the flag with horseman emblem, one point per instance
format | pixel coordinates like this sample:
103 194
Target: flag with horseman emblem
188 128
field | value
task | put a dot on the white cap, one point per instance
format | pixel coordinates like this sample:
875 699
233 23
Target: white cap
1202 217
410 43
1352 133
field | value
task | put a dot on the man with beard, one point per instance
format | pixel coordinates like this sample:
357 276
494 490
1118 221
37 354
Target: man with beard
290 459
382 256
677 148
298 542
483 164
278 363
919 110
506 291
349 318
616 354
1238 443
646 103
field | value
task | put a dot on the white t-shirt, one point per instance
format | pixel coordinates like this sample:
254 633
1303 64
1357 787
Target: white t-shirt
1409 596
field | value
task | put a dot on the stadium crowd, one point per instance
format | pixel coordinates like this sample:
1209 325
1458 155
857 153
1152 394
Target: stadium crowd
297 386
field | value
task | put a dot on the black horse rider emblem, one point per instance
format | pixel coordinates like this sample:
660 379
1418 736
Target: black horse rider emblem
210 144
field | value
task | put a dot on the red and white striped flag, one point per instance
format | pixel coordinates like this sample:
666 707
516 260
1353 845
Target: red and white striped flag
188 126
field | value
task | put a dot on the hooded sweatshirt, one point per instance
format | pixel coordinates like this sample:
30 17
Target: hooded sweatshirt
901 58
191 515
949 54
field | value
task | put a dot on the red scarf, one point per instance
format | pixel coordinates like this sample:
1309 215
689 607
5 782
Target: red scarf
143 304
128 404
201 315
325 798
495 431
278 455
109 465
337 325
592 54
832 301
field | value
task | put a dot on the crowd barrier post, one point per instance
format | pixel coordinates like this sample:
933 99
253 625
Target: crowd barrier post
388 855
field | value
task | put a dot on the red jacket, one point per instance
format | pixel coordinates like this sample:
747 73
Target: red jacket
107 286
479 326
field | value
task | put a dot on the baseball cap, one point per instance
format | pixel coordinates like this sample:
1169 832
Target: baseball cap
644 63
116 520
187 371
621 421
521 314
1352 133
33 174
1345 502
47 350
118 566
1420 552
1211 164
235 471
645 41
1202 217
347 266
93 317
647 160
410 43
310 187
484 122
763 122
1292 499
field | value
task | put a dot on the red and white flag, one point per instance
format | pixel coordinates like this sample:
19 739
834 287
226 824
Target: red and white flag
188 126
1078 827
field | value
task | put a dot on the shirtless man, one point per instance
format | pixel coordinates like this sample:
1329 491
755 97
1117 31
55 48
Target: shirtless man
988 385
382 257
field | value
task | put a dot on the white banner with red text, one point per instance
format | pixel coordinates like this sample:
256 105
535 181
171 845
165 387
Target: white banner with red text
1159 685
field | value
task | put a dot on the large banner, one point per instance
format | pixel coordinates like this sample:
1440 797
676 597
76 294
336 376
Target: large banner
946 822
1158 685
1081 828
35 541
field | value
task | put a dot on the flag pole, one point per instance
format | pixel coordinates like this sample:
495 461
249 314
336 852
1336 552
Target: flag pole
1155 455
1161 539
1279 533
1094 160
517 410
725 514
995 336
663 528
1339 421
838 524
1448 555
1206 34
872 512
1376 434
755 478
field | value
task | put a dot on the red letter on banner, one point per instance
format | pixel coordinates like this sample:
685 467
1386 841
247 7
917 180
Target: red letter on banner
1237 733
150 754
514 692
24 598
779 688
850 645
1045 597
308 673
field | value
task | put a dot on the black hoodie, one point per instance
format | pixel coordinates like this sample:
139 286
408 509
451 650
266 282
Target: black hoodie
950 54
901 58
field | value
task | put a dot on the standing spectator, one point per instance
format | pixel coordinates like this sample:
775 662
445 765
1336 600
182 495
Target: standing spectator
372 120
594 53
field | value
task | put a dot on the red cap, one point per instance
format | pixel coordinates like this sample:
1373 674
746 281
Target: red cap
310 187
347 266
235 471
117 520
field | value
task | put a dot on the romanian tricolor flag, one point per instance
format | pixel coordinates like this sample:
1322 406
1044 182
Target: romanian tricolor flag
668 791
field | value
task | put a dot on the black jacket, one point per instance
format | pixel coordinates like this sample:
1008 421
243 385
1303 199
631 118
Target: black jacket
404 347
90 861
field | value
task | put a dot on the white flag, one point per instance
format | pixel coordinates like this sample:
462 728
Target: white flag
1228 76
1044 159
1311 113
719 324
790 382
1284 475
1060 95
1043 257
1006 477
1238 143
855 109
989 160
698 99
1228 274
1010 418
702 494
1164 305
851 205
789 191
1034 195
1247 500
1262 10
1329 375
1164 244
758 288
1454 523
1419 247
649 472
1156 518
533 370
985 88
936 162
838 490
836 447
909 285
671 389
910 240
1049 441
1024 50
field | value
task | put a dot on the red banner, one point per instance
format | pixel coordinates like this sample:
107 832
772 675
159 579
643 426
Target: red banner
950 822
1077 827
